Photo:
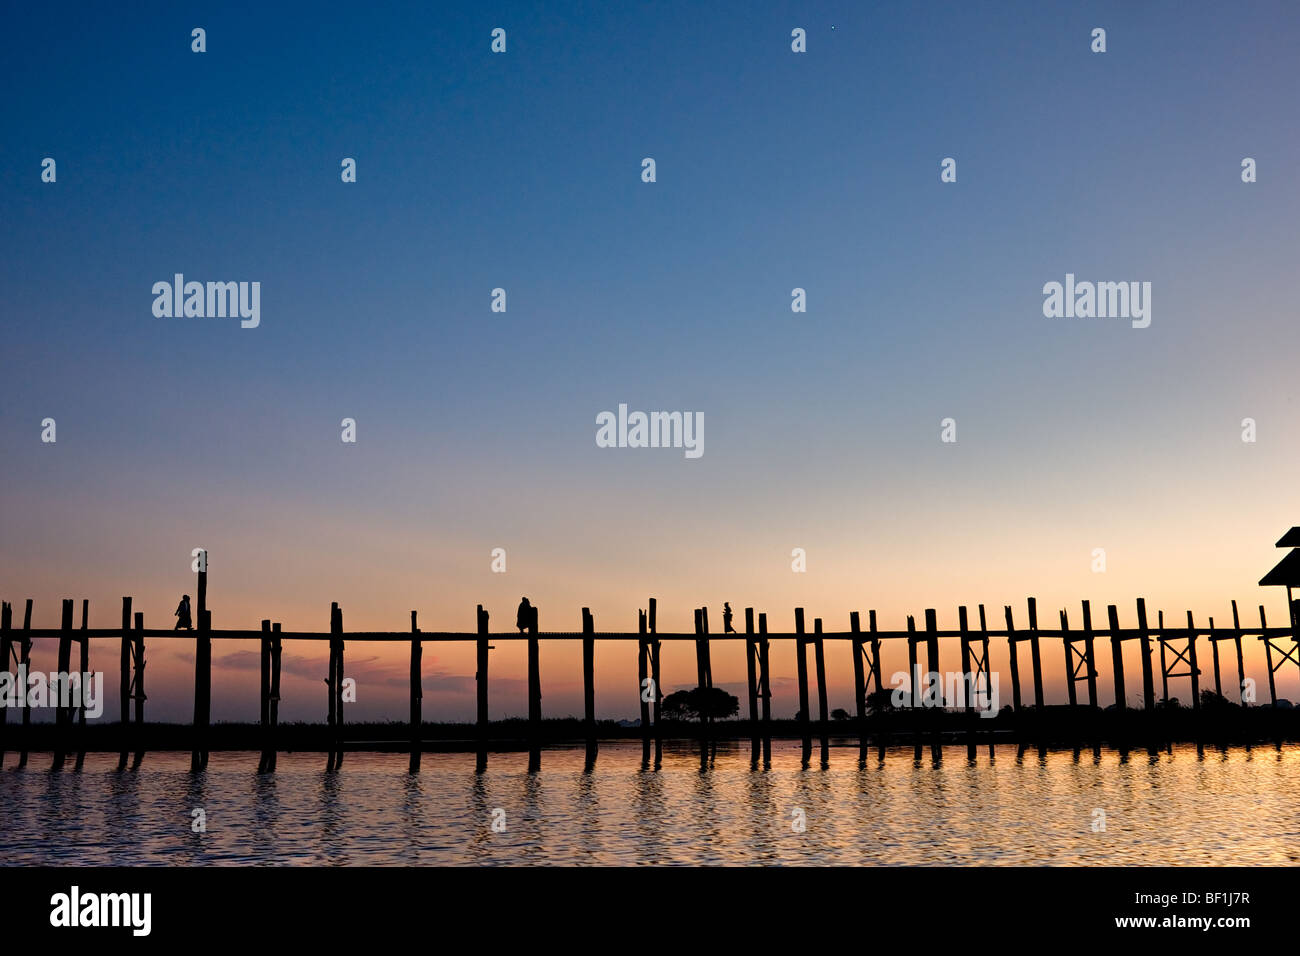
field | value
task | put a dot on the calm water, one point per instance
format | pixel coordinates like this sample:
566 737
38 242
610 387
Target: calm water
1237 807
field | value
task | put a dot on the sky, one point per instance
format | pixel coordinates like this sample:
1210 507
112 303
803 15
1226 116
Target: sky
522 170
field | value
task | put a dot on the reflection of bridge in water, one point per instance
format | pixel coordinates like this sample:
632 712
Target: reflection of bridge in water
922 714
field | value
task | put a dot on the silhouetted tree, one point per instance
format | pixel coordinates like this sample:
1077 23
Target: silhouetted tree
700 702
839 713
1212 701
880 701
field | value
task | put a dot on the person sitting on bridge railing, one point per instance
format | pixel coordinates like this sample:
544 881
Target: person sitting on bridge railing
524 619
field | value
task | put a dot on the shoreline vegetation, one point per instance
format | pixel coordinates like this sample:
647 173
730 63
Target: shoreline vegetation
1217 722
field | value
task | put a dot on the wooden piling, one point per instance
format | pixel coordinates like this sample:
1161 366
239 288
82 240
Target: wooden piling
534 698
916 688
824 717
417 690
264 695
751 674
336 642
1241 667
765 689
968 682
1035 655
882 731
702 681
202 674
84 672
913 675
1191 660
329 691
202 690
1144 643
62 696
988 679
642 677
1069 660
1117 657
481 681
1090 654
24 669
937 704
801 660
589 686
6 654
1164 665
1214 650
276 650
137 732
654 679
1268 658
124 685
1015 661
859 685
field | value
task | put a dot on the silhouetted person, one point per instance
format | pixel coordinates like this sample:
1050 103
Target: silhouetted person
726 619
183 622
524 619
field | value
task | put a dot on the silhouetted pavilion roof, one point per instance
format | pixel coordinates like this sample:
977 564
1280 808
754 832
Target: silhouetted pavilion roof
1286 572
1290 540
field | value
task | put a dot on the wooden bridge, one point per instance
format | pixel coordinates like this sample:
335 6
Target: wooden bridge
1177 649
